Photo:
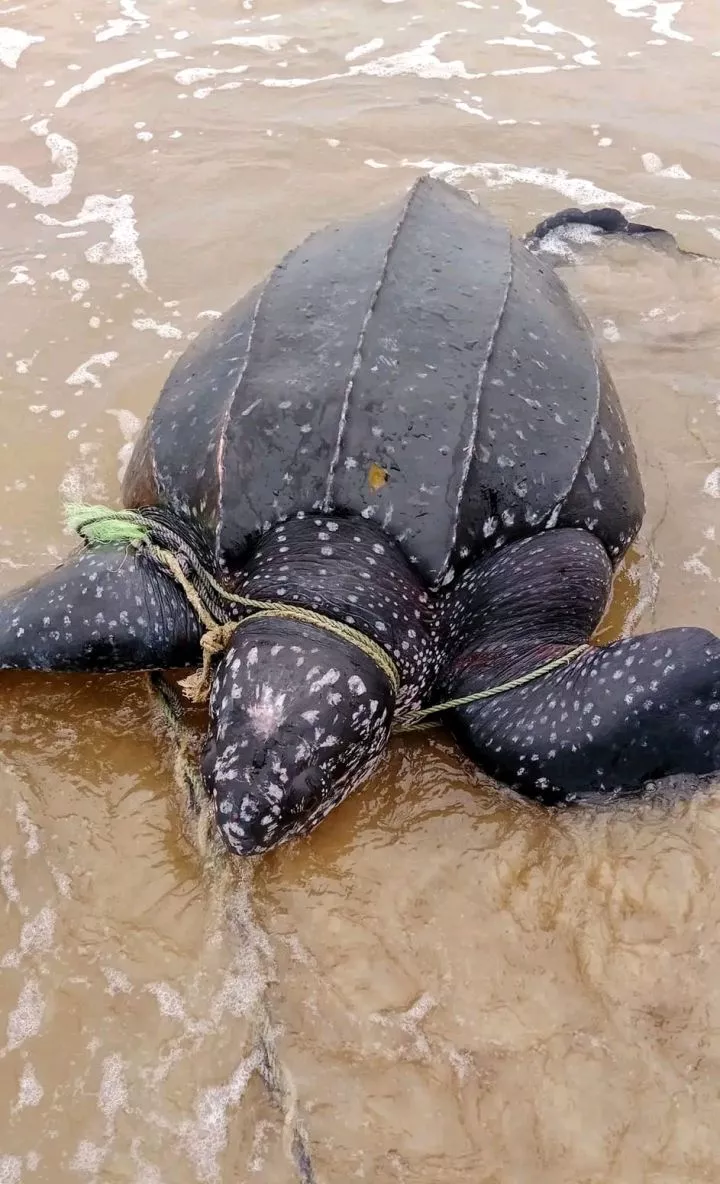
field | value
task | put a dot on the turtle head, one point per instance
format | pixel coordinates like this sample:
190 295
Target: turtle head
298 719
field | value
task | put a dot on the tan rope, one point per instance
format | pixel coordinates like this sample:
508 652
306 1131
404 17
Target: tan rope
185 767
217 636
417 720
98 524
216 639
168 560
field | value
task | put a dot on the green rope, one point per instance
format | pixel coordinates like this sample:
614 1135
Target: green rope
102 524
99 525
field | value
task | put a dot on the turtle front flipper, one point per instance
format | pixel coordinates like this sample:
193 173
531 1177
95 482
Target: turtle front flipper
106 608
595 719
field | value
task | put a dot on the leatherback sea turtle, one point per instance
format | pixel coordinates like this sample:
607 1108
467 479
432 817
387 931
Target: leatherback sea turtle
407 433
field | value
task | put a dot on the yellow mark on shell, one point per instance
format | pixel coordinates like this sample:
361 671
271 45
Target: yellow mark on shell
377 477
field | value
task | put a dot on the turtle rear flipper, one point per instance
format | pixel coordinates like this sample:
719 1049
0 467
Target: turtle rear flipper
615 720
605 220
552 715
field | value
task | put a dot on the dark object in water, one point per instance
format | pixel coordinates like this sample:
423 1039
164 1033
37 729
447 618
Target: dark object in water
402 396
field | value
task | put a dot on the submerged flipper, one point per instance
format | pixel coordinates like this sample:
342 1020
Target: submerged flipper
106 608
606 220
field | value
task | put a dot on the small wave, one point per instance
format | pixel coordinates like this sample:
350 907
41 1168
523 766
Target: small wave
99 78
501 175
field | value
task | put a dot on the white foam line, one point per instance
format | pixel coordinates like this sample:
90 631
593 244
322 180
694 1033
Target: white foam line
123 247
497 175
662 15
26 1019
163 329
28 828
696 566
7 878
686 216
360 50
131 18
30 1093
461 107
523 43
526 11
13 43
62 153
548 29
530 70
287 83
116 27
712 484
587 58
272 42
421 61
424 63
99 78
195 74
83 374
206 1138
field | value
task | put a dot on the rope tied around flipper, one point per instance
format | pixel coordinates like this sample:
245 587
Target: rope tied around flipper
99 525
420 719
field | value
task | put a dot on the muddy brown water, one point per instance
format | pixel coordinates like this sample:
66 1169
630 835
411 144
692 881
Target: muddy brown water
462 987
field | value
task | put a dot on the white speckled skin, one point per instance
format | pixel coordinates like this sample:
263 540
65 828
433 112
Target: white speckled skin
618 717
104 609
299 717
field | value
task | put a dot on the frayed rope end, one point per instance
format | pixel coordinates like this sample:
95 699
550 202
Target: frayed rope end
102 525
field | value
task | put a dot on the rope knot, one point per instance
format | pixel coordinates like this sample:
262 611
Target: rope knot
213 642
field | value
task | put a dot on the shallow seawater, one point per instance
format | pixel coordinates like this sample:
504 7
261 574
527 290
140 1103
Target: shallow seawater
460 986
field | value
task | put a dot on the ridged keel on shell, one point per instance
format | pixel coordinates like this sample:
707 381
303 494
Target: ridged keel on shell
543 395
418 367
